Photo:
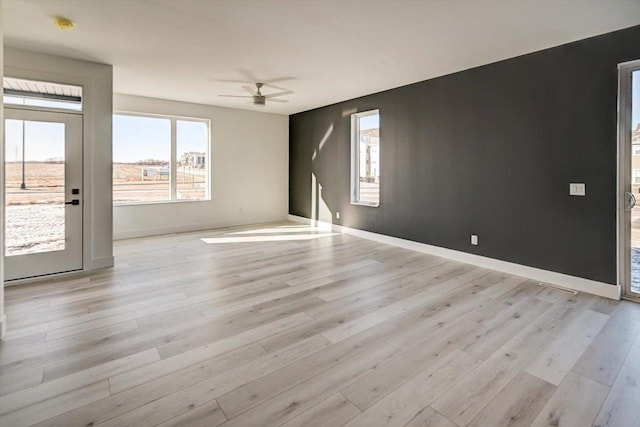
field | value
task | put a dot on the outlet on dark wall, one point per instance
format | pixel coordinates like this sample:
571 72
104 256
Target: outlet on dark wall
487 151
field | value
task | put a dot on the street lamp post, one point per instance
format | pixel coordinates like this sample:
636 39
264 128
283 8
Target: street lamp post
23 185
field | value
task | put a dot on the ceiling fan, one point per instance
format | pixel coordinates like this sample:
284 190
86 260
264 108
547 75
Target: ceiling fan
257 98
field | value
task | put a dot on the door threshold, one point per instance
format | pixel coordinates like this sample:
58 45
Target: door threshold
46 277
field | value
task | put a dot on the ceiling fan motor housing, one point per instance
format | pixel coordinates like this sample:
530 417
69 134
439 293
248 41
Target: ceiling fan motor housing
258 100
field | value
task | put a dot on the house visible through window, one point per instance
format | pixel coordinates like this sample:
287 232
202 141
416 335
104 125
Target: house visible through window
365 158
636 149
192 147
159 159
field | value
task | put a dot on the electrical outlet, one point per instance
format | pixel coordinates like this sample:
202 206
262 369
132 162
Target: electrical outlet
240 210
474 239
577 189
337 215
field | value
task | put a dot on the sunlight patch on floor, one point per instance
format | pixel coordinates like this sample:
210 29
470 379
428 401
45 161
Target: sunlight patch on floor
301 229
253 239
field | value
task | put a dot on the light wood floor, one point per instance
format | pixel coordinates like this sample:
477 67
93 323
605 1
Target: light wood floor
283 325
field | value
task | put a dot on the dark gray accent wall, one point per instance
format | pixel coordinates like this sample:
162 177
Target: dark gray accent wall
489 151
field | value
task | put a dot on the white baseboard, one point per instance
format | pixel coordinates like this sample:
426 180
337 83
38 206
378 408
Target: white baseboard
3 326
186 228
559 279
158 231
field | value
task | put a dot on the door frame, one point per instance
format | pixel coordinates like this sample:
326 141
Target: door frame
624 178
72 257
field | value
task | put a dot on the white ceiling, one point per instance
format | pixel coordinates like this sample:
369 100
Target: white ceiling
324 51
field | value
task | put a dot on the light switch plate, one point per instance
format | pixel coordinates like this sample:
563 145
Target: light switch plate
474 239
577 189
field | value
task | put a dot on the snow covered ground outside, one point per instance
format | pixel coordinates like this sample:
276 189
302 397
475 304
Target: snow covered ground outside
34 228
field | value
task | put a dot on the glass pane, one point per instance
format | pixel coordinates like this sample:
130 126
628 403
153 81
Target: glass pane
34 176
141 157
46 103
192 168
42 94
635 181
369 158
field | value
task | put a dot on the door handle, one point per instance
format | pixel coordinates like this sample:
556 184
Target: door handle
629 201
74 202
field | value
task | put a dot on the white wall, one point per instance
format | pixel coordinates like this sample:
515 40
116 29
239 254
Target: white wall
3 319
96 80
249 166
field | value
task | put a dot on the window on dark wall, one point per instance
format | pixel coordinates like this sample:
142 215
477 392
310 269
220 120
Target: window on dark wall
365 158
159 159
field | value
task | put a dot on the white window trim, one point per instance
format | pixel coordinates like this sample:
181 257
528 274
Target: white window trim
355 158
174 145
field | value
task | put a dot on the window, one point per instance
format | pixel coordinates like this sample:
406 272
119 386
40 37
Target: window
159 159
41 94
192 148
636 176
365 158
636 149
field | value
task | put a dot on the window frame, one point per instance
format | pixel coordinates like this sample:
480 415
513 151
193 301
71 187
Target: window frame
355 159
61 108
173 182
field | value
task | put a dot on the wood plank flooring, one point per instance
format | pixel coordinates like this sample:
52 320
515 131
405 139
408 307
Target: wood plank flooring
286 325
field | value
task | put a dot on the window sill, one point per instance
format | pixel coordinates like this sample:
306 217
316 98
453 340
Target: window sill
367 204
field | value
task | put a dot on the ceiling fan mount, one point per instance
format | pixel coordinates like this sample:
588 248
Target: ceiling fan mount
258 98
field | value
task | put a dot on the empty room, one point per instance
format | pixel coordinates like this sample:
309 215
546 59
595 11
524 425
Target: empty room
249 213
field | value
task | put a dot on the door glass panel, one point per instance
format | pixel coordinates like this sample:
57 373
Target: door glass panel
635 181
35 186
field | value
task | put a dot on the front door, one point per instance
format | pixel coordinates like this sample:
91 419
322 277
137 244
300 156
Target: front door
43 187
629 180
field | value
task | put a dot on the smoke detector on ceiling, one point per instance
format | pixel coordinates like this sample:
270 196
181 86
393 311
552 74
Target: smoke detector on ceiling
63 23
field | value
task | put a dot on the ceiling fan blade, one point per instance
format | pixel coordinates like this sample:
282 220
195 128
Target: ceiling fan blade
248 75
250 79
235 96
281 79
250 90
286 92
253 78
278 100
229 81
274 86
270 83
